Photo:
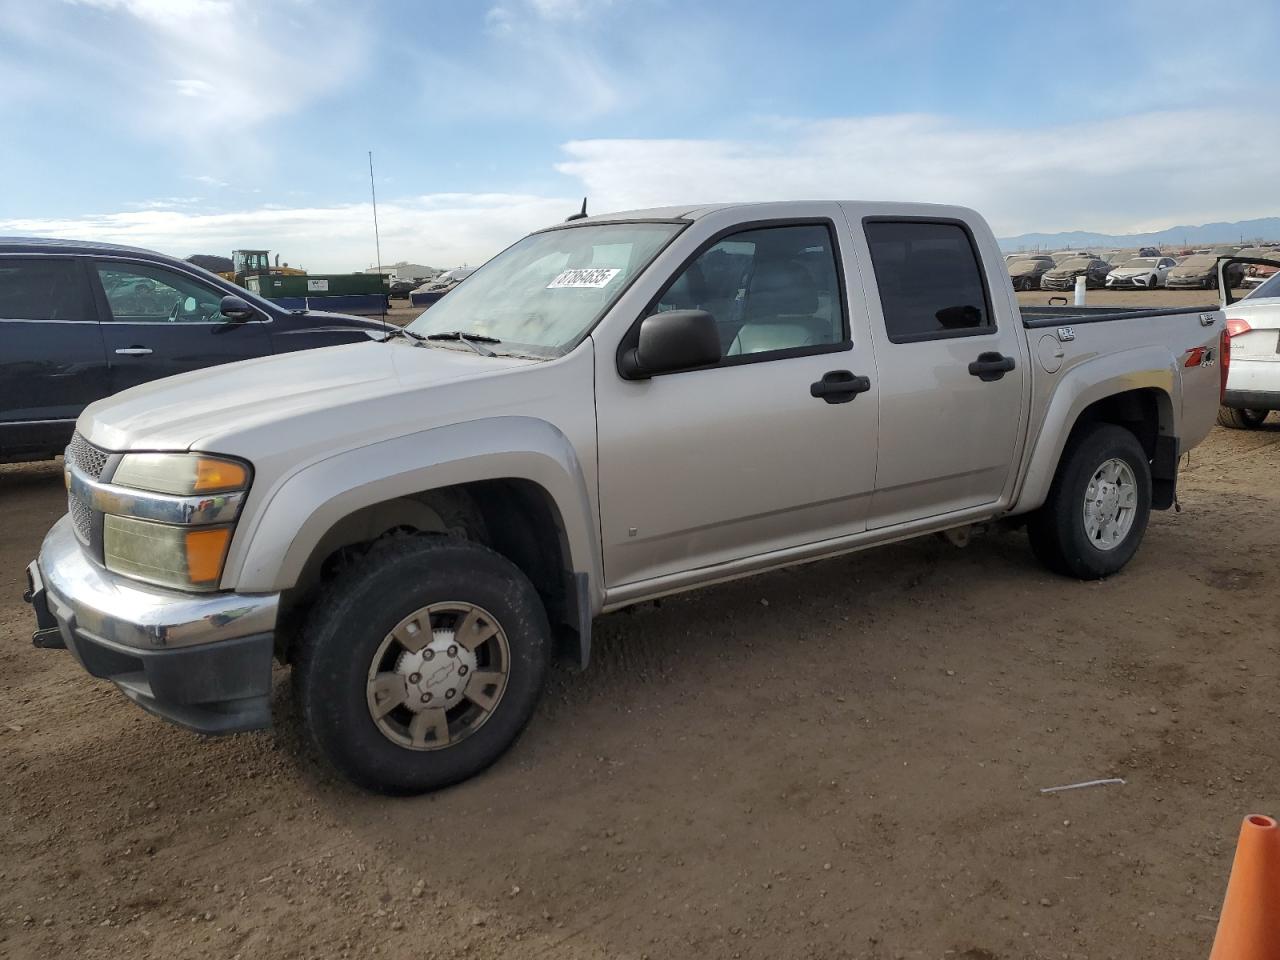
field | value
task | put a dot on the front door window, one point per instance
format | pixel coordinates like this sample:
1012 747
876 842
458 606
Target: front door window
142 293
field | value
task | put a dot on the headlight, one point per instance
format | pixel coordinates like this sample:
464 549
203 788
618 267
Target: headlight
178 539
188 558
182 474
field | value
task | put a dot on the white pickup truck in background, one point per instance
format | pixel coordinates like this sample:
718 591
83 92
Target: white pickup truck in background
611 410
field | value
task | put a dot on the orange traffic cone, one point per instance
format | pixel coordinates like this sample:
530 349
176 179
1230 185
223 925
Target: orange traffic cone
1249 927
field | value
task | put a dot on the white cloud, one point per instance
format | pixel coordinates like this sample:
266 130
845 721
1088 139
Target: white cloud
503 16
208 73
567 63
1111 175
444 230
208 180
1142 172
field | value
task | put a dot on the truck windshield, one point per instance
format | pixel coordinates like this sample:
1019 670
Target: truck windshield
540 296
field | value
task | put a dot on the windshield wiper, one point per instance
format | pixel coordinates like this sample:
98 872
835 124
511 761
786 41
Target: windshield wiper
472 340
393 332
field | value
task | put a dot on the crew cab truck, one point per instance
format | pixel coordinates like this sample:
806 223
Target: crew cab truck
613 409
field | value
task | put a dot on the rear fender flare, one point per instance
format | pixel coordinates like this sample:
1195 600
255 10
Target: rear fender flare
1086 384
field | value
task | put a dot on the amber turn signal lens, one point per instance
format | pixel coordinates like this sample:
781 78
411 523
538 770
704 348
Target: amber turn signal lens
206 550
215 476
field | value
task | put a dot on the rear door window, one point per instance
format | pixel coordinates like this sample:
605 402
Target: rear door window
930 280
44 288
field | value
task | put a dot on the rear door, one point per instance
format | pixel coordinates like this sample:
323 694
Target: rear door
951 378
158 322
52 363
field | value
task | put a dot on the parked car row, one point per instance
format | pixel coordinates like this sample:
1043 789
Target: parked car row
1144 269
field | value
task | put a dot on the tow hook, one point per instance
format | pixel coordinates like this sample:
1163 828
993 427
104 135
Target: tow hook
50 638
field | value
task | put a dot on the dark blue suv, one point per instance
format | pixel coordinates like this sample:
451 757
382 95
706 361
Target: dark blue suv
80 321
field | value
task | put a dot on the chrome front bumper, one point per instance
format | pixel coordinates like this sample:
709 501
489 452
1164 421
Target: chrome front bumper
200 660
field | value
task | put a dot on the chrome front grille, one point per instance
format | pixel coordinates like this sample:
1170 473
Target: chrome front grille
89 461
86 458
81 517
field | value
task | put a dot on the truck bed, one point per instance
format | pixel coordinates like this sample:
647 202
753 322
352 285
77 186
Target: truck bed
1034 317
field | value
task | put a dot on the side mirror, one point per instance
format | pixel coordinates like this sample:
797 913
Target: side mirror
236 310
671 341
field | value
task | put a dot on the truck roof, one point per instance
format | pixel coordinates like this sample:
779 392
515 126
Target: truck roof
694 211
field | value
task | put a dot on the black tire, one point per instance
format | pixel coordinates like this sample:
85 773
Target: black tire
1211 283
1241 419
361 606
1057 529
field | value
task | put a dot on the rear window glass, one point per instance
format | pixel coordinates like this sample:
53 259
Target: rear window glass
43 289
929 279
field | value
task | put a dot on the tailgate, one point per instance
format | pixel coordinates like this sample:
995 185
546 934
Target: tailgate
1202 376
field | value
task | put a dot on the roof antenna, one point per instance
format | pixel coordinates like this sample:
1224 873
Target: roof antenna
580 215
377 242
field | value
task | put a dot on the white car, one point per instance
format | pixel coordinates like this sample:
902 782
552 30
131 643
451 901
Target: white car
1143 273
1253 368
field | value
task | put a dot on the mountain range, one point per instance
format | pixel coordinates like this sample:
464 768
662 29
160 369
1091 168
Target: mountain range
1264 228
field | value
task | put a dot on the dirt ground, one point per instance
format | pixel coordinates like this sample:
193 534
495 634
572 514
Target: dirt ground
835 761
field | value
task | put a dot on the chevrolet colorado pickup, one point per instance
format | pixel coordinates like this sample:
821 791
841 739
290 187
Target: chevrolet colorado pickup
613 409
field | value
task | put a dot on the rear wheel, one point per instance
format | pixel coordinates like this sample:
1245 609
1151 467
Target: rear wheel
1097 510
1241 419
422 664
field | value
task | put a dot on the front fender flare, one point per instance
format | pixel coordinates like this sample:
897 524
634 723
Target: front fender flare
271 553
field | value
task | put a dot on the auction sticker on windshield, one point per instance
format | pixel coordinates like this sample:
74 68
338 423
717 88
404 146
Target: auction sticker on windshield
590 277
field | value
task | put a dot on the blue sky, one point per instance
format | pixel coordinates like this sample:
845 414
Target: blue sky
200 125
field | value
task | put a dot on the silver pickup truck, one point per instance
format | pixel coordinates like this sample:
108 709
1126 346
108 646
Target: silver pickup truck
613 409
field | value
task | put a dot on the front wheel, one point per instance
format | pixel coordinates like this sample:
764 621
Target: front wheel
1096 513
422 664
1241 419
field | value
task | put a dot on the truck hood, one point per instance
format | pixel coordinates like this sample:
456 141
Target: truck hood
207 409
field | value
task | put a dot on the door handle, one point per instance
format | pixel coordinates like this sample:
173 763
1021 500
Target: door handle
991 366
134 351
839 386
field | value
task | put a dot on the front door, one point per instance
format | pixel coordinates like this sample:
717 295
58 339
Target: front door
159 322
51 355
951 378
753 455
